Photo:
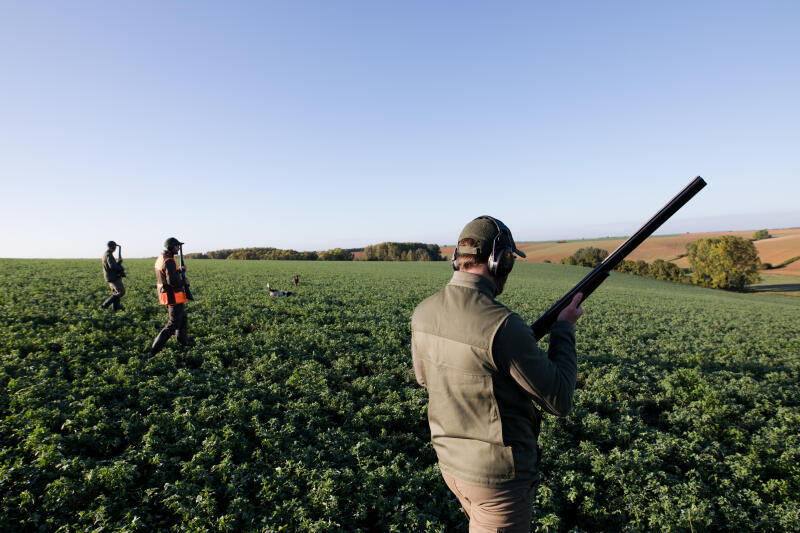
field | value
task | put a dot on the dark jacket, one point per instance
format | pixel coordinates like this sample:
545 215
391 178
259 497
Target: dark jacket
169 282
486 376
112 271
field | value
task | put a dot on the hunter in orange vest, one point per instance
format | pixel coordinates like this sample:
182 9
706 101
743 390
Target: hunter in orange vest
172 289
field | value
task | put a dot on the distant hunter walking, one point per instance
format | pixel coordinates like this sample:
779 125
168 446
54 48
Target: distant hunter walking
113 272
173 291
488 381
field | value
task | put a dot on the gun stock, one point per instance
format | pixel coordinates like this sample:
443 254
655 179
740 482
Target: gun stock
183 275
599 274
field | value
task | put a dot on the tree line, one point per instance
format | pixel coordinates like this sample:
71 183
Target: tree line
385 251
403 251
725 262
275 254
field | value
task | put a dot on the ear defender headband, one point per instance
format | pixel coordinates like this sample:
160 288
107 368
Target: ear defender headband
501 260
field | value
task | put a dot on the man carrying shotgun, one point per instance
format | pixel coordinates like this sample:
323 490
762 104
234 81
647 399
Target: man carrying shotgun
482 367
173 291
488 380
113 272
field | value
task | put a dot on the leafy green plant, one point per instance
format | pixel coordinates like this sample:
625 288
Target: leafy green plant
302 413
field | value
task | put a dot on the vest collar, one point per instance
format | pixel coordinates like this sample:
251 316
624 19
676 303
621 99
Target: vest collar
474 281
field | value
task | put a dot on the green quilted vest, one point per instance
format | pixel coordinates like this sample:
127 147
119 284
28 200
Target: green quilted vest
483 426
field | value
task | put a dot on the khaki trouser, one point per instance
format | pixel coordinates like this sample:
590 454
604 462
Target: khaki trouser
118 291
495 510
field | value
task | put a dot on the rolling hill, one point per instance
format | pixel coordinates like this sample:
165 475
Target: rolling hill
784 245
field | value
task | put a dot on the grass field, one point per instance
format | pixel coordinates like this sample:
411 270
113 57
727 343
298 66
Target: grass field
780 284
302 414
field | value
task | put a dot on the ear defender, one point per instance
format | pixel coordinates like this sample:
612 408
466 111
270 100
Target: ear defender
502 259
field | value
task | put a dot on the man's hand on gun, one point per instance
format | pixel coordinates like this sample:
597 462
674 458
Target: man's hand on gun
573 311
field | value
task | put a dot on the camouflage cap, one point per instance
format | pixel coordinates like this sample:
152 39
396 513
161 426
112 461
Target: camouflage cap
483 231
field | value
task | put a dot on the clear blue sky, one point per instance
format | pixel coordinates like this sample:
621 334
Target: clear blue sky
313 125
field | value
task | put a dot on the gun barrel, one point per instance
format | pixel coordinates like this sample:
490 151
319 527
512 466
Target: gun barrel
654 223
599 274
187 290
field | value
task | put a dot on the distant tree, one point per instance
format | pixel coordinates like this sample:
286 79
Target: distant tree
725 262
402 251
638 268
761 234
664 270
641 268
788 261
588 257
276 254
336 254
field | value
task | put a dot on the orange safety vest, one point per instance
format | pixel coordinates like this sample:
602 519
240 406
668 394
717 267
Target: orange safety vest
166 294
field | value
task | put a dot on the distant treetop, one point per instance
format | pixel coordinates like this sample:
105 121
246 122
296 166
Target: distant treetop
588 257
402 251
336 254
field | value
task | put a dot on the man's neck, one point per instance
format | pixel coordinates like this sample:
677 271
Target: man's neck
481 270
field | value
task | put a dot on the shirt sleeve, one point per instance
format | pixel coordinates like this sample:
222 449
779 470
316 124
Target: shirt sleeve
548 378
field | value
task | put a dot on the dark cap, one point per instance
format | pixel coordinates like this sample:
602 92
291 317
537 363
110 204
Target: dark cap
172 241
483 231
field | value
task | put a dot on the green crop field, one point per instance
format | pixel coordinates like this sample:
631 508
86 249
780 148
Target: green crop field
302 413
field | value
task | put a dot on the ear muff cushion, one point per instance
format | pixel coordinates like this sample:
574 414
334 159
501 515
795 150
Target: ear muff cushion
505 262
502 259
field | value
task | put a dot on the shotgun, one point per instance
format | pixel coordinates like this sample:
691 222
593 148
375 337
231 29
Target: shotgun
597 276
119 261
182 270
